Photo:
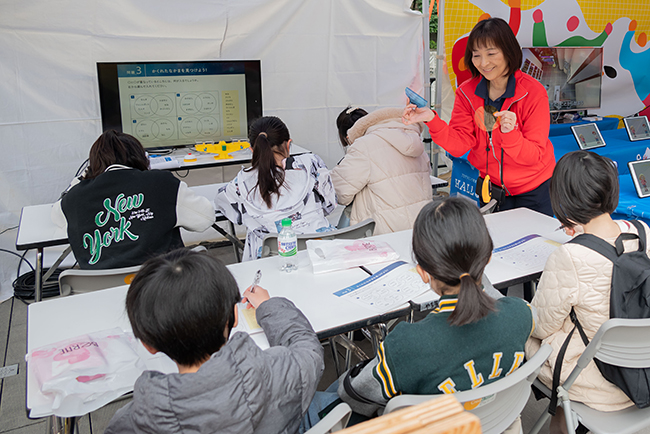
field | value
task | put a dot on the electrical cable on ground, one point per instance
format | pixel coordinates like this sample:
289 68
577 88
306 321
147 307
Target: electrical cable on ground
24 286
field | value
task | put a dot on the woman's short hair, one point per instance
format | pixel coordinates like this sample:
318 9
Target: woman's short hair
180 304
584 185
496 32
452 244
114 147
346 120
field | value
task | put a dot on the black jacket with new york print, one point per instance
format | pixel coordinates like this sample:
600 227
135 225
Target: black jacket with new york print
125 216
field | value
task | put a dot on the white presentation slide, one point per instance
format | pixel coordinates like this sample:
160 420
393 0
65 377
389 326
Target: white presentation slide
184 109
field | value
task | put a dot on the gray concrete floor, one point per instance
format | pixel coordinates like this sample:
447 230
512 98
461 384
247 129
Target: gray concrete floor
13 417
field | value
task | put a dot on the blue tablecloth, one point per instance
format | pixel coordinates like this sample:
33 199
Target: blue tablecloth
565 129
617 147
630 205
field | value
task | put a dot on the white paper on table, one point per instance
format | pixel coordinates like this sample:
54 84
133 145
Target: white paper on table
387 289
334 255
528 254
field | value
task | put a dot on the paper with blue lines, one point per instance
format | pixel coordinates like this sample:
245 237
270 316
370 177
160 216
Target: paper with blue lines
386 289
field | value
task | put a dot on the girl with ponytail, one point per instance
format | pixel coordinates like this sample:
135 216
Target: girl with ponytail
469 340
277 186
452 246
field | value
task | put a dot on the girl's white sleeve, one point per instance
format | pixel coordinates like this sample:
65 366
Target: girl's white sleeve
193 212
57 216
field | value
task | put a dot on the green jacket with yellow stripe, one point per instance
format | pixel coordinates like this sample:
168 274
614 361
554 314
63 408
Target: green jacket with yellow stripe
432 356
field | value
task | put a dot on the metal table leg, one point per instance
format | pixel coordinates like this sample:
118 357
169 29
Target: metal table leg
61 425
38 284
234 245
237 245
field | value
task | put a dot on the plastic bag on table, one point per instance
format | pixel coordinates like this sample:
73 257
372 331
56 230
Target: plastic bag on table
82 374
332 255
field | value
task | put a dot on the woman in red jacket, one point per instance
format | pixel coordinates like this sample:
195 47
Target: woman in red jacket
501 116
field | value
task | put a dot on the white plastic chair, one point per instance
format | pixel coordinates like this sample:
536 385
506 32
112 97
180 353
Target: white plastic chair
336 420
497 404
77 281
620 342
489 207
362 229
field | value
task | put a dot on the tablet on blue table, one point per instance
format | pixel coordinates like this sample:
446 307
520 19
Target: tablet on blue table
588 136
640 172
637 128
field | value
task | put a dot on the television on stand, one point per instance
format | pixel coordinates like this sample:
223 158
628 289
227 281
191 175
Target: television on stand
572 76
175 104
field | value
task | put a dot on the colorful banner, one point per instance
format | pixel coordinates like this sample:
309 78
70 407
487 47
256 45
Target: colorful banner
620 27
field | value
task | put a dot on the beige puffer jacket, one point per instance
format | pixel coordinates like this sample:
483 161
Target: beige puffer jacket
385 171
576 276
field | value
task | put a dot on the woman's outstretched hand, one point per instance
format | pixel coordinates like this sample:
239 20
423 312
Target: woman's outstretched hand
413 114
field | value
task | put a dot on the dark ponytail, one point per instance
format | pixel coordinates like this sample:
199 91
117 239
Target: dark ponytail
267 135
452 244
346 120
114 147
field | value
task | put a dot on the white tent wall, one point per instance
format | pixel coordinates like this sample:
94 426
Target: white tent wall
317 57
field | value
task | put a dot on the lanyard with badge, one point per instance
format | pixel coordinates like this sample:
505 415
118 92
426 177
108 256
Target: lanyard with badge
489 120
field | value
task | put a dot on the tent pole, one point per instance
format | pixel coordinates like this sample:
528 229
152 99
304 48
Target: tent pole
425 38
426 81
441 54
440 51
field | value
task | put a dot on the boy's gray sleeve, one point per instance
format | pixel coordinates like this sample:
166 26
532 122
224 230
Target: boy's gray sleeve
287 327
367 386
120 423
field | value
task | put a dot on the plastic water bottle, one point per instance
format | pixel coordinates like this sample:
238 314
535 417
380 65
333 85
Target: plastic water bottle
287 247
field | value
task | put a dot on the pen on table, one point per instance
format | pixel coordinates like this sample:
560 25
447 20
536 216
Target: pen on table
365 269
256 280
559 229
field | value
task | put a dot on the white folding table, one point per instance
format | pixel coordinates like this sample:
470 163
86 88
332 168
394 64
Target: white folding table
54 320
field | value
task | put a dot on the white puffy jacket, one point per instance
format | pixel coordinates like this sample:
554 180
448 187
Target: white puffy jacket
385 171
576 276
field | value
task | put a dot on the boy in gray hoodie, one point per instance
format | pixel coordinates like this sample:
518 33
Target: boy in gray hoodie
184 305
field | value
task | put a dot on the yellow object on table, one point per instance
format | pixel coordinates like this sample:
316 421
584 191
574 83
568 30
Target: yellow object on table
223 148
190 158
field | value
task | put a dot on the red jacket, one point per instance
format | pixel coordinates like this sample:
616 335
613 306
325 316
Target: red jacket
527 151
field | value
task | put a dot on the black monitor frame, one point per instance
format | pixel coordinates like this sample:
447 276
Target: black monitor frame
109 95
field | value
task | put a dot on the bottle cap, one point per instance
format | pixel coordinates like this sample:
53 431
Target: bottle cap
286 222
